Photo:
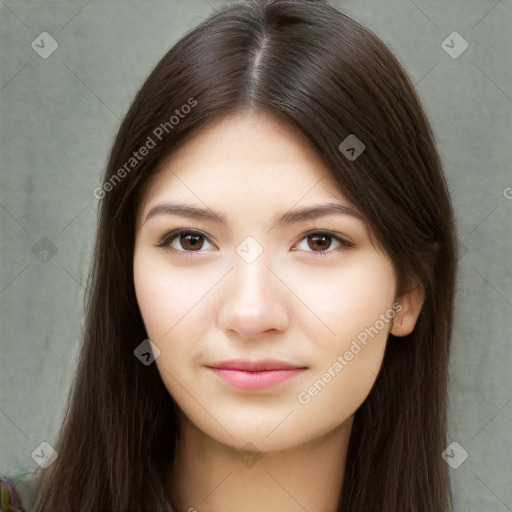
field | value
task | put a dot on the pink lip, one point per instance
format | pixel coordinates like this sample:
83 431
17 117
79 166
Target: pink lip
255 374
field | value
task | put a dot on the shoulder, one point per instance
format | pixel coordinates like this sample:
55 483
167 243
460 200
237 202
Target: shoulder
17 491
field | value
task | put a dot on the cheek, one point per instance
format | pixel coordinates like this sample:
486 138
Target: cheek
152 293
355 306
347 363
175 304
343 302
168 297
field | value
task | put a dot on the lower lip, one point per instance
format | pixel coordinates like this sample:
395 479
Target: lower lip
255 380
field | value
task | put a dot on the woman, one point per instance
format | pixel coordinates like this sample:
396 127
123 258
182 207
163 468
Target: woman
275 219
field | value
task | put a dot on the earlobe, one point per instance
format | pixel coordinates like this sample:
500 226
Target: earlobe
411 303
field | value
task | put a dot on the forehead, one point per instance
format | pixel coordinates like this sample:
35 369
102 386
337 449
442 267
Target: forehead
245 158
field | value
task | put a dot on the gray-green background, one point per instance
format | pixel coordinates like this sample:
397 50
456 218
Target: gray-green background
58 117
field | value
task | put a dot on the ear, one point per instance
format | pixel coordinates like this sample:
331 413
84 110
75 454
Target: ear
405 319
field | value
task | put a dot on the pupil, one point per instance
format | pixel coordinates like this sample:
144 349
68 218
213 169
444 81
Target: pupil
324 238
195 243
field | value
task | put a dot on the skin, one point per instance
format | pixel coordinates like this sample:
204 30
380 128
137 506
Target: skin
289 304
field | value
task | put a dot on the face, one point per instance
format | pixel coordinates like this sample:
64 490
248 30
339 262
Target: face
271 325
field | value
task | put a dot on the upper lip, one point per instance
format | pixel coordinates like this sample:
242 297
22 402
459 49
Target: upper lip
254 366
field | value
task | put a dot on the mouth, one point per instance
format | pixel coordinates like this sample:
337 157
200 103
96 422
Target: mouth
253 375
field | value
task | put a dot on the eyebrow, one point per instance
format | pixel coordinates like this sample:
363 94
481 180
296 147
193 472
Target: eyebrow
290 217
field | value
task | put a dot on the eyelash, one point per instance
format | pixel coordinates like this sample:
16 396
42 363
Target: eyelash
167 239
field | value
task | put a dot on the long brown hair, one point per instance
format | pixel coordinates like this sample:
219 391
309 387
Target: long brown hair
315 67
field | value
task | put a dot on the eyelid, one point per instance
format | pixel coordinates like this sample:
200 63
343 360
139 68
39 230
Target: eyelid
344 241
164 242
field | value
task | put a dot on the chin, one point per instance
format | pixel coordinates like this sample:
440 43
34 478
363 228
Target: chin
263 433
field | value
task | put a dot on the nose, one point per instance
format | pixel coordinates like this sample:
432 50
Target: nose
254 300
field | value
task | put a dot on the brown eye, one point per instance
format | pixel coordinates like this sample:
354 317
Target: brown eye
319 242
191 241
184 241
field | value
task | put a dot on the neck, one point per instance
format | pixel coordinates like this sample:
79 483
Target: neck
208 476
